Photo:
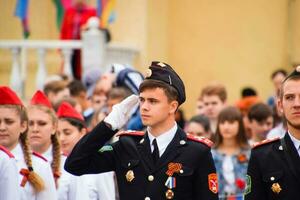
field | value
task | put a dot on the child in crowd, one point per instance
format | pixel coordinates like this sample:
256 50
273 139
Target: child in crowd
43 139
199 126
34 172
231 153
71 127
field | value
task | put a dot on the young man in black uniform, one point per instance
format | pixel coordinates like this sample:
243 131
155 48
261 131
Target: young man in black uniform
164 162
274 166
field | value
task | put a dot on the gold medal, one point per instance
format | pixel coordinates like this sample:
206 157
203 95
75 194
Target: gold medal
276 188
129 176
169 194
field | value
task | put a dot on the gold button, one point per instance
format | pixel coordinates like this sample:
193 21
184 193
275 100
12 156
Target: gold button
150 178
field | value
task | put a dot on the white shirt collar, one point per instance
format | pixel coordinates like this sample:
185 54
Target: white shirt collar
163 140
48 154
295 141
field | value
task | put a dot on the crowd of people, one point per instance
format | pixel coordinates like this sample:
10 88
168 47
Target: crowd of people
74 139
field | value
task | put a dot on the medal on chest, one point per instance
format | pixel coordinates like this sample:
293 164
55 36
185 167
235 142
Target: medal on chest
129 175
171 181
276 188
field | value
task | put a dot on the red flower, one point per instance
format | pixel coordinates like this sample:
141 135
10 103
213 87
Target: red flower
240 183
242 158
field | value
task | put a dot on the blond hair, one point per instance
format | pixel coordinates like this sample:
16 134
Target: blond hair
34 179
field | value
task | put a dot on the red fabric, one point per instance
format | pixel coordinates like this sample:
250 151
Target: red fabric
5 150
25 173
70 18
9 97
39 156
39 98
66 110
74 19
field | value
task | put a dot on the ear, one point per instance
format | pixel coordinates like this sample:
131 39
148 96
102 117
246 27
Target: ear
279 105
173 107
24 126
83 132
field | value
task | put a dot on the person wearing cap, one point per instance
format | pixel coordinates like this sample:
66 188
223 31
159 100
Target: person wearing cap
34 173
43 139
9 176
164 162
71 127
273 170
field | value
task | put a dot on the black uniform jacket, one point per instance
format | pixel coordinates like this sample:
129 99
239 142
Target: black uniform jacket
148 180
274 170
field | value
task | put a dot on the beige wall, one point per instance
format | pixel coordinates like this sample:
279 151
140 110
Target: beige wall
238 43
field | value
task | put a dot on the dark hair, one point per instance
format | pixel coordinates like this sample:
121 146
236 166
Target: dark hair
76 87
170 91
294 78
248 92
260 112
278 71
203 120
75 122
231 114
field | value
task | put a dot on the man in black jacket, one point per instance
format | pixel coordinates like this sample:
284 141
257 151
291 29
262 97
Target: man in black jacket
274 166
164 162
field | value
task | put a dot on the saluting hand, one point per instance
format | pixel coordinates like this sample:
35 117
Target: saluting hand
121 112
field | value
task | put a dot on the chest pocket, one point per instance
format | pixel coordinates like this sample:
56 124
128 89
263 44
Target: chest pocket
185 171
275 184
128 171
184 179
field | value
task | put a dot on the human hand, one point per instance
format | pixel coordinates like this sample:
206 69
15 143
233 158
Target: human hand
121 112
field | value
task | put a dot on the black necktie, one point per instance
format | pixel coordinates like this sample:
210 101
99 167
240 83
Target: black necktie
155 153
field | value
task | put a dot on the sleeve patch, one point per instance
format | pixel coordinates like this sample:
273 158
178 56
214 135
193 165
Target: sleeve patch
213 182
105 148
248 185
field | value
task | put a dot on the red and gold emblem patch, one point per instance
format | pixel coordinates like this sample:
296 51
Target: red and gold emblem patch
213 182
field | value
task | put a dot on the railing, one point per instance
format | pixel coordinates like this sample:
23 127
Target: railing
95 52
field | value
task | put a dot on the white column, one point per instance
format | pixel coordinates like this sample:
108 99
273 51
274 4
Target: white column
15 76
93 46
41 74
67 53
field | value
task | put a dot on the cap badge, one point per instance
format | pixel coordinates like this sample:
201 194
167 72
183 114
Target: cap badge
129 175
298 68
276 188
161 64
148 73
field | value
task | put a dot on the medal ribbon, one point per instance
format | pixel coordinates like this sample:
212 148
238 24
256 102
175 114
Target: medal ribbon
173 168
171 182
